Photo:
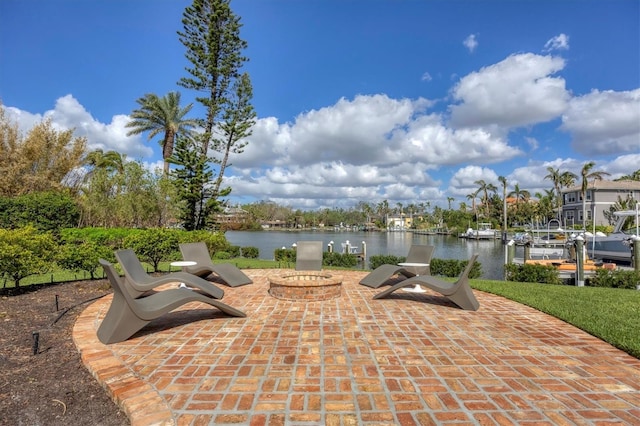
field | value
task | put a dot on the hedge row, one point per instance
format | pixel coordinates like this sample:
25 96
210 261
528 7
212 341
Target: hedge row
443 267
547 274
28 251
328 258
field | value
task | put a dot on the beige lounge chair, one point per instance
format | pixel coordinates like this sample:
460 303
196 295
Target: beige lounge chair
309 256
127 315
459 292
198 252
417 254
140 282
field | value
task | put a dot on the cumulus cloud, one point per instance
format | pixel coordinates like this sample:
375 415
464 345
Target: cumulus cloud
559 42
426 77
374 147
623 165
368 148
470 43
604 122
518 91
68 113
463 182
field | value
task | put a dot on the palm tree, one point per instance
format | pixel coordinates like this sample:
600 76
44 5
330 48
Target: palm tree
472 197
112 161
560 180
587 174
567 180
633 176
556 178
485 188
161 115
545 207
520 194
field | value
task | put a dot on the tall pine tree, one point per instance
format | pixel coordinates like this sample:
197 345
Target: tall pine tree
211 35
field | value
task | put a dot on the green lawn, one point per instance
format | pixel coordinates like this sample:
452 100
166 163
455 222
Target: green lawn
612 315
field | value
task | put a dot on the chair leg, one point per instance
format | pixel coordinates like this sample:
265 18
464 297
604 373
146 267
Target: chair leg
227 309
120 323
465 299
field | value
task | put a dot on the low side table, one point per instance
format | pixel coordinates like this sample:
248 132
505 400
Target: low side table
182 264
417 268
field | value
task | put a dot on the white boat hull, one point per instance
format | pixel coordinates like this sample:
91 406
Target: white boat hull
616 246
611 247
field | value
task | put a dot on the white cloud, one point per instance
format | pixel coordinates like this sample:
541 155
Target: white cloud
463 182
559 42
605 122
373 147
470 43
518 91
426 77
68 113
623 165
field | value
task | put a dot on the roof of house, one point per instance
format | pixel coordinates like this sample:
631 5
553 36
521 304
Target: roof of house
623 185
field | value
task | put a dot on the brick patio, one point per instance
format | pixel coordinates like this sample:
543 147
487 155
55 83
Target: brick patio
411 359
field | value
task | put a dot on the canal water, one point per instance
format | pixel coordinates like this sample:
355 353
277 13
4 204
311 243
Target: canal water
491 252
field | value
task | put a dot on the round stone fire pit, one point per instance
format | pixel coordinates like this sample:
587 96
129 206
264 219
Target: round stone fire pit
305 285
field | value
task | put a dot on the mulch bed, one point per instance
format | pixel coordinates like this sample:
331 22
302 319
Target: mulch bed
50 386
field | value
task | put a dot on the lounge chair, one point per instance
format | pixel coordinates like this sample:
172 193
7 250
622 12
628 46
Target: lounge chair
140 282
417 254
127 315
198 252
308 255
459 292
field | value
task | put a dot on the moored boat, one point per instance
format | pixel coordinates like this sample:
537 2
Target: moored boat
484 232
617 245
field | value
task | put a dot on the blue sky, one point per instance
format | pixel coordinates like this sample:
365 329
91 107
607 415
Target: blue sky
357 100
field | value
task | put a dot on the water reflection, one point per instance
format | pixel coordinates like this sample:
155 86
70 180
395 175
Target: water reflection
395 243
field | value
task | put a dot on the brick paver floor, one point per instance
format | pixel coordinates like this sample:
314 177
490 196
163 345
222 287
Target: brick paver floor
412 359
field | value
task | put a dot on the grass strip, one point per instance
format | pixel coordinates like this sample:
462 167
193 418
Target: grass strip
610 314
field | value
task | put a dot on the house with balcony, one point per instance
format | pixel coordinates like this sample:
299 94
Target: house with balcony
600 195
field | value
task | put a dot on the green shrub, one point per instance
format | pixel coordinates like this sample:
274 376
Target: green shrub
250 252
382 259
454 267
444 267
113 238
284 255
26 251
222 255
339 259
215 241
153 245
83 256
46 211
234 251
531 273
615 279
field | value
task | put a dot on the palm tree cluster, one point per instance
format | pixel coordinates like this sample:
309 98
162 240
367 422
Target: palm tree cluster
515 205
211 37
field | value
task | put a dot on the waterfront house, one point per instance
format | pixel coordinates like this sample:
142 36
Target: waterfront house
601 194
